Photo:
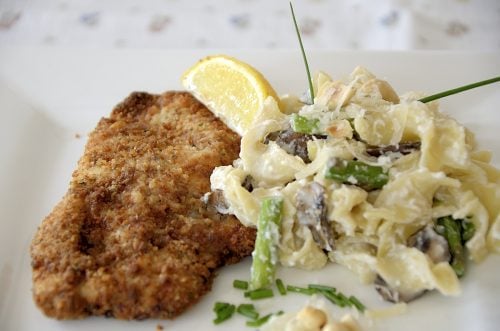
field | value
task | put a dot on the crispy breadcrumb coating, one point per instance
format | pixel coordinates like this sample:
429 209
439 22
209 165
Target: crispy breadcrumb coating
131 238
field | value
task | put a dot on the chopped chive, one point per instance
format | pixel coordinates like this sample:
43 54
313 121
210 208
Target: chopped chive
219 305
344 299
459 89
262 293
334 298
280 286
262 320
359 306
296 289
311 90
248 310
322 287
223 311
241 284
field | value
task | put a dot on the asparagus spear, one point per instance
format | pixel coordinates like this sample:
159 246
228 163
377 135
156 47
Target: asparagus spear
468 230
265 252
303 124
451 230
357 173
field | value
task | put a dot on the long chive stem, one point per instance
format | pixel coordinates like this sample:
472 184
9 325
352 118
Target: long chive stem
311 90
459 89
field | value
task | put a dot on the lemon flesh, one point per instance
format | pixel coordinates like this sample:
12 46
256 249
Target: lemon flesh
233 90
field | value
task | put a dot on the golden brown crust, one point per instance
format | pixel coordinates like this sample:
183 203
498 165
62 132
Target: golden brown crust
131 238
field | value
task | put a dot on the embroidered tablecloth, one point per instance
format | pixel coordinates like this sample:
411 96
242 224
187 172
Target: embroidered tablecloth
262 24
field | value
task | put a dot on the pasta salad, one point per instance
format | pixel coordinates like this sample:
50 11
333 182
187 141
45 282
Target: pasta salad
385 185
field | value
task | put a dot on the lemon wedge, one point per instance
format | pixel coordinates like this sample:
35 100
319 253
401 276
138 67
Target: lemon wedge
233 90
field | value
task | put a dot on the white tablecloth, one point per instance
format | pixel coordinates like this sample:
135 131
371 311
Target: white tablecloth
325 24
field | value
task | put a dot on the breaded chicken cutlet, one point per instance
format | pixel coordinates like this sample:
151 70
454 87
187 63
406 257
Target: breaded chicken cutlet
131 238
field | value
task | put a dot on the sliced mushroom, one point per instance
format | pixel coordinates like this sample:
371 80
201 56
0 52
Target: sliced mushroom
431 243
215 202
247 183
311 212
292 142
394 295
427 241
403 148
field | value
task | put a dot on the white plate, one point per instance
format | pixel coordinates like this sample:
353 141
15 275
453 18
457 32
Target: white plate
47 96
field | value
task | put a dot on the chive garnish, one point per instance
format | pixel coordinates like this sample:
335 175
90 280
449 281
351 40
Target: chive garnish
248 310
322 287
330 293
333 298
344 299
280 286
219 305
311 91
223 311
262 293
459 89
359 306
296 289
241 284
262 320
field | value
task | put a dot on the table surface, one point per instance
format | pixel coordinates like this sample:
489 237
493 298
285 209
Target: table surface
252 24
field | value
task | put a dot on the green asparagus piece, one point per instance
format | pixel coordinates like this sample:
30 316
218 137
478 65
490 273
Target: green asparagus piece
303 124
468 230
451 230
357 173
265 252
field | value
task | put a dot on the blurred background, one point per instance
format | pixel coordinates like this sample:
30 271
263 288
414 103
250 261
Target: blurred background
253 24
